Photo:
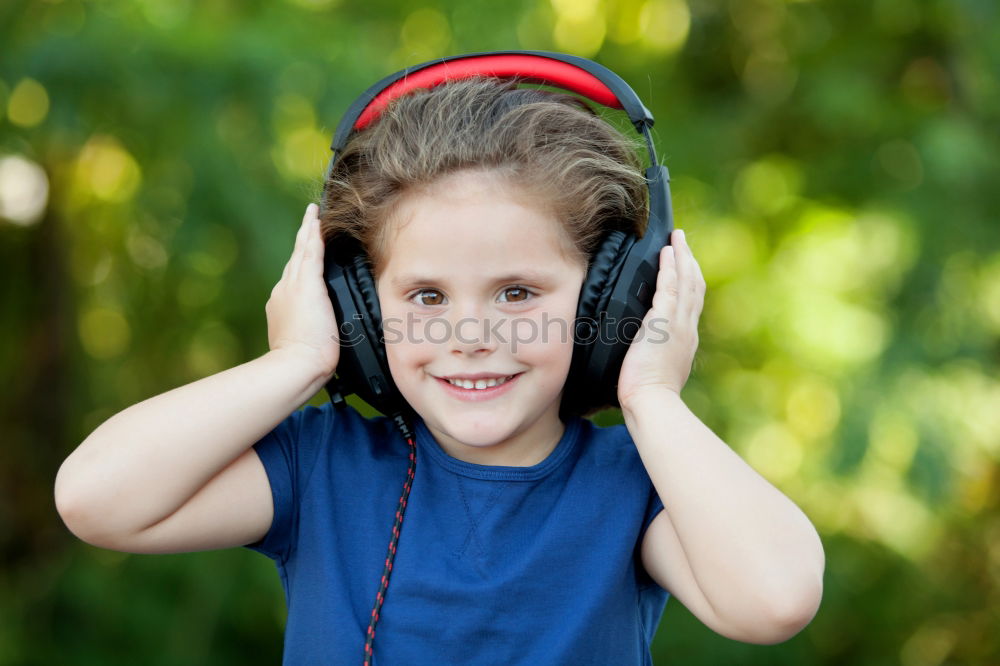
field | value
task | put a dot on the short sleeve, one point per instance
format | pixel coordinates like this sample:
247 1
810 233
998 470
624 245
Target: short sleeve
288 453
653 507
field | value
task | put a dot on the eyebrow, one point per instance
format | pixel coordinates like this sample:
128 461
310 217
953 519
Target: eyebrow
537 277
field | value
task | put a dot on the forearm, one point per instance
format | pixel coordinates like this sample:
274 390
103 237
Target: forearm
748 545
144 463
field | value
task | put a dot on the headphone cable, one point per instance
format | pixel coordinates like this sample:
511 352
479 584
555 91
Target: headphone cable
391 555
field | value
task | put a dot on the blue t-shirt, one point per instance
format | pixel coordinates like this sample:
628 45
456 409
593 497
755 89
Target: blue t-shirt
494 565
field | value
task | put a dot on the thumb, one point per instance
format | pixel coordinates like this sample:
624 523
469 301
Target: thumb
311 254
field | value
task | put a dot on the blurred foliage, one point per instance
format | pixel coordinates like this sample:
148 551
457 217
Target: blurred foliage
835 165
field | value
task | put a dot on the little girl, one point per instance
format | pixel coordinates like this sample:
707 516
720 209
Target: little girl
530 536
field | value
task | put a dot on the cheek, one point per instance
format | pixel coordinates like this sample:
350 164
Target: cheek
551 354
403 355
559 342
404 366
547 337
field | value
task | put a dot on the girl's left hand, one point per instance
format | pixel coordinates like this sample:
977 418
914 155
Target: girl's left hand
661 355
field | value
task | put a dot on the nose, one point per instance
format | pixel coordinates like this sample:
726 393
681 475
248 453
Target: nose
473 331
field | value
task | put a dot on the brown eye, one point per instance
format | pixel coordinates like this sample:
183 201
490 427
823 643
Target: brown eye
421 297
516 294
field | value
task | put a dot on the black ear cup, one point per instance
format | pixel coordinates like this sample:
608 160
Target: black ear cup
363 367
364 282
583 391
607 265
385 394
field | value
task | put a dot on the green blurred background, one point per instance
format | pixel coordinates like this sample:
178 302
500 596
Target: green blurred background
835 165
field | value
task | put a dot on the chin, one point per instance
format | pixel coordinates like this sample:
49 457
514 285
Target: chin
478 430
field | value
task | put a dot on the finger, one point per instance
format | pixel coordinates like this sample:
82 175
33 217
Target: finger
295 246
290 266
685 275
699 292
665 297
695 283
291 259
311 249
300 241
312 257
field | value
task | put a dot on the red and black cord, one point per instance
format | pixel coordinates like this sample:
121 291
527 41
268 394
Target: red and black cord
400 510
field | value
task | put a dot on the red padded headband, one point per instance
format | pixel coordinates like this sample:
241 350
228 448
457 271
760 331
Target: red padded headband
548 70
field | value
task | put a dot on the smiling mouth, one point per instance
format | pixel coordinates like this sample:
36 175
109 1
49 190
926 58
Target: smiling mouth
480 384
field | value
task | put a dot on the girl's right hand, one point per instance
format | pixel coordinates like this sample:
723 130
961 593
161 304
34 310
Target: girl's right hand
300 316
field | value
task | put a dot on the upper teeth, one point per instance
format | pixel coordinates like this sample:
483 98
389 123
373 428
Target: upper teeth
479 383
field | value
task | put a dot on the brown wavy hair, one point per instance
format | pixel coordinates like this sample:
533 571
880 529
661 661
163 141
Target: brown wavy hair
549 146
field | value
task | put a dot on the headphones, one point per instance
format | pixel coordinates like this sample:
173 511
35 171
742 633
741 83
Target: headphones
617 291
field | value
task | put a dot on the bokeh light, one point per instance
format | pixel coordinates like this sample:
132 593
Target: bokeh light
28 104
24 190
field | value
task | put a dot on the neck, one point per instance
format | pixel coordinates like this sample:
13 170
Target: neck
524 449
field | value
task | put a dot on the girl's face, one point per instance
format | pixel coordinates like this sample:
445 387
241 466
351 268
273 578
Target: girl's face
480 282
